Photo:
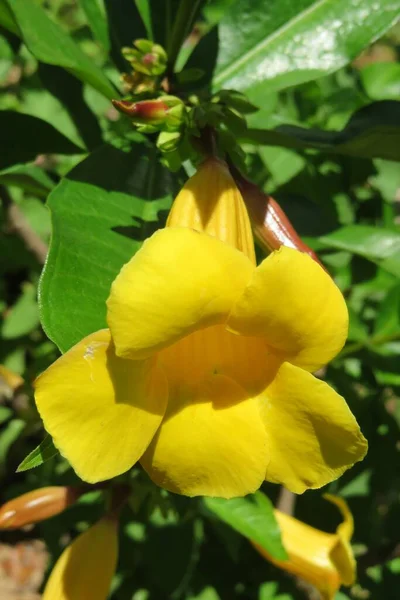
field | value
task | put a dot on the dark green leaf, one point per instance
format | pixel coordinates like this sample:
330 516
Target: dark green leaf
42 453
95 14
69 91
379 245
372 132
101 212
252 517
23 137
8 437
51 45
289 44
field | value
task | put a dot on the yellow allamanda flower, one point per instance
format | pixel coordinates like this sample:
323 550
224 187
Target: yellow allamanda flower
86 567
204 372
323 559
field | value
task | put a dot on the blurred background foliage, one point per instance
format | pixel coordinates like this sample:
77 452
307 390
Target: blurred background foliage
310 68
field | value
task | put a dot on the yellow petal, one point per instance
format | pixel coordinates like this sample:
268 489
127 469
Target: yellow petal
212 442
313 436
296 306
85 569
341 555
211 202
101 410
308 554
179 281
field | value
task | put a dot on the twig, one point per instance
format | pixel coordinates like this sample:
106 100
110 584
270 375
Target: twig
286 501
19 225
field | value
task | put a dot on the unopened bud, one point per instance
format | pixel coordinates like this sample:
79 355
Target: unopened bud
10 379
146 111
146 57
85 569
166 112
271 226
37 505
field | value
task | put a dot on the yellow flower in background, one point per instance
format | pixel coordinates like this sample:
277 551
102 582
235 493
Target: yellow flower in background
85 569
325 560
204 375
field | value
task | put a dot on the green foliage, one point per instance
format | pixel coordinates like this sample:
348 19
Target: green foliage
318 131
45 451
252 517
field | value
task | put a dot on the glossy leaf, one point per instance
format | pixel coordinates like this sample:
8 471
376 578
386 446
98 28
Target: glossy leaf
252 517
50 44
287 43
42 453
101 212
16 146
381 246
372 132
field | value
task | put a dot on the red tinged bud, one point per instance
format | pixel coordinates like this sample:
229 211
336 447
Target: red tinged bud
271 226
37 505
146 111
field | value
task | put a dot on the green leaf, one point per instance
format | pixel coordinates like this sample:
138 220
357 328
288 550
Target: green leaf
52 45
101 212
8 437
381 80
371 132
381 246
252 517
23 316
95 14
5 413
300 41
29 178
143 7
388 319
23 137
42 453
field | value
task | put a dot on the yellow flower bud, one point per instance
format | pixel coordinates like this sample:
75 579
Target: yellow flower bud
323 559
85 569
36 506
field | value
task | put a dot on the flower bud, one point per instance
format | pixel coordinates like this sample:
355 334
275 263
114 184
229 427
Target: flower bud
11 380
165 113
37 505
145 112
271 226
323 559
146 57
86 567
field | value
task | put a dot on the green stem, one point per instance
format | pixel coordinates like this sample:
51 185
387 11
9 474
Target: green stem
182 26
372 341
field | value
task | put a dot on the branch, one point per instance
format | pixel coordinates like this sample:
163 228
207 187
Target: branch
18 224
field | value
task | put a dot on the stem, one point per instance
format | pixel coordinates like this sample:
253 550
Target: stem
18 224
183 24
286 501
372 341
